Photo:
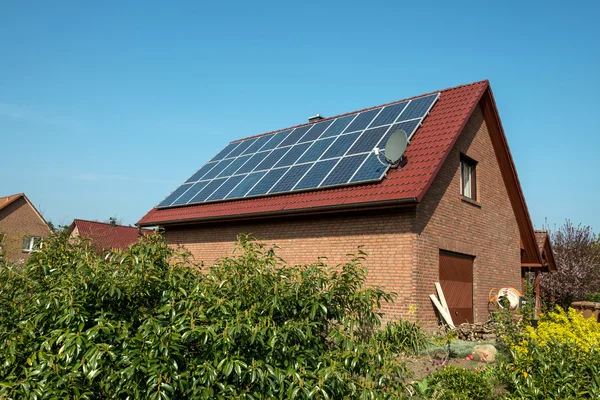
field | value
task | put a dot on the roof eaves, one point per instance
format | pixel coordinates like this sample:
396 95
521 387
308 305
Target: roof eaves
403 202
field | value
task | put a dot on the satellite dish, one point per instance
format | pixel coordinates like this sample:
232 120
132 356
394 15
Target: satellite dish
395 146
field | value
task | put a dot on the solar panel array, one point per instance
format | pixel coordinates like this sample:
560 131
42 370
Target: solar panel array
330 153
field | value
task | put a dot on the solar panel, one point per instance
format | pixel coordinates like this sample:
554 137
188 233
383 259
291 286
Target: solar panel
328 153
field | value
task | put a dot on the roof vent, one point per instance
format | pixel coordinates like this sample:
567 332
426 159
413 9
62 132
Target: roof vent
315 118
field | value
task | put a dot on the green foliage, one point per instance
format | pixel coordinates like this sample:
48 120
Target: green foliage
595 297
554 371
145 323
559 360
508 328
403 337
458 383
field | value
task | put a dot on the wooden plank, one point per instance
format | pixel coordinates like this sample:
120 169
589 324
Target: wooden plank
444 313
440 294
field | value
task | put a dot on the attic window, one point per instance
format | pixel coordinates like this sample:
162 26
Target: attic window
31 243
468 181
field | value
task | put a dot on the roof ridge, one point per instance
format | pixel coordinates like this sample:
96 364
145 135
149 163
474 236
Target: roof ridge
361 110
107 223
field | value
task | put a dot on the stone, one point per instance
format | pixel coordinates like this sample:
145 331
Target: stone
485 353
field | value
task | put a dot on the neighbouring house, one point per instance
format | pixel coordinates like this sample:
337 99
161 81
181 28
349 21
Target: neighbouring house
548 264
22 228
106 236
452 211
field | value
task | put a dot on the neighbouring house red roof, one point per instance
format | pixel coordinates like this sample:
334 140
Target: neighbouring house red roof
425 154
543 240
105 236
7 200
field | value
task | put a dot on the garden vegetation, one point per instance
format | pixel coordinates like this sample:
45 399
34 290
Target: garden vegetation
146 323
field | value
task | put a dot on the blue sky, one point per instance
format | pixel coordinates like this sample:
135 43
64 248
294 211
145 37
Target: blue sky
105 108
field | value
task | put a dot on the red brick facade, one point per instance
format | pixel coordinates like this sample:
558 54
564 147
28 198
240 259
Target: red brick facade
403 244
18 220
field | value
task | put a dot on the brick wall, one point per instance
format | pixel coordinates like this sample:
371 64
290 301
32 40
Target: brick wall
18 220
487 230
403 244
386 236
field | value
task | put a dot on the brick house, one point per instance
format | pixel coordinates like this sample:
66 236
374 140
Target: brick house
106 236
22 227
453 213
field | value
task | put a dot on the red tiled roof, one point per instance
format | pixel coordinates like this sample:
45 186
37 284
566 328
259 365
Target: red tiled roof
5 201
541 236
107 237
425 156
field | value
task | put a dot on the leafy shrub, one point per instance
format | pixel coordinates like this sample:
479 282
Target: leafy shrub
145 323
458 383
508 328
403 337
595 297
567 328
559 360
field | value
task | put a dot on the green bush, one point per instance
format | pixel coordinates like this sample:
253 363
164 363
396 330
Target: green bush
403 337
145 323
458 383
595 297
555 371
558 360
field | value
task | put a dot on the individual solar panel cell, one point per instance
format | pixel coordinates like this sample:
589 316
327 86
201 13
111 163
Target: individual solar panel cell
293 155
221 155
258 143
344 170
418 107
338 126
362 121
317 173
218 168
341 145
234 166
200 173
389 114
267 182
278 138
252 162
368 140
187 196
295 136
272 159
372 170
244 186
207 190
290 179
316 150
316 131
240 149
173 196
226 187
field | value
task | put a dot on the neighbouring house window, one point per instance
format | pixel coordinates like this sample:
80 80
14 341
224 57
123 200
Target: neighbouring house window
31 243
468 186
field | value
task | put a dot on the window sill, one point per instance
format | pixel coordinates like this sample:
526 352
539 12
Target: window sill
470 201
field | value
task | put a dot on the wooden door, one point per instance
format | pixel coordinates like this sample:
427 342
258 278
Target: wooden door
456 280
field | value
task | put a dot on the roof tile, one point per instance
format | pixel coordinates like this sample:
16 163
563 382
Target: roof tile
427 150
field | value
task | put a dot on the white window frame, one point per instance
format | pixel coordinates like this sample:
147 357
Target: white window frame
467 169
31 246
